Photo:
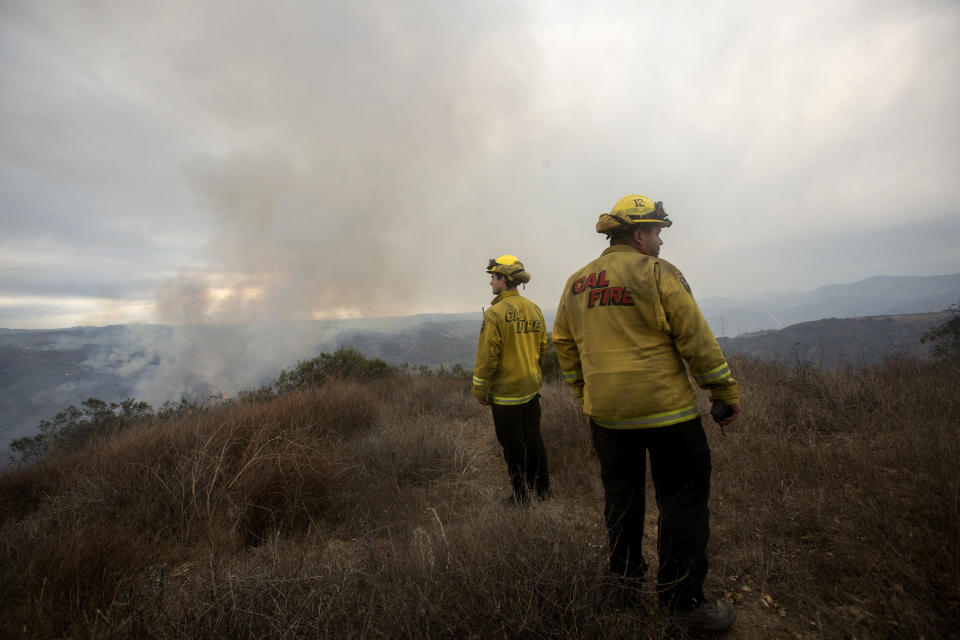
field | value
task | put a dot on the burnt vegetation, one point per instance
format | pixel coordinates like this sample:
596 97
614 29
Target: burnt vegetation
354 499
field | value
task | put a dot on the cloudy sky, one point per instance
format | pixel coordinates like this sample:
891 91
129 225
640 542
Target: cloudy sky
185 162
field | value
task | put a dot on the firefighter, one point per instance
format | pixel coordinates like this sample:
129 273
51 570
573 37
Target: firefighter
507 376
626 326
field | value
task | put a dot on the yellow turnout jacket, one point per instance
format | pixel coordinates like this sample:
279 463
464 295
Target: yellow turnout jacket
625 325
513 339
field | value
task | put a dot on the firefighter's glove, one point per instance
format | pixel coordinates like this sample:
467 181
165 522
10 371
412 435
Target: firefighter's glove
578 391
480 393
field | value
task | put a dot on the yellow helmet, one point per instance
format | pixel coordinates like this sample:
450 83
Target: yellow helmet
631 210
509 266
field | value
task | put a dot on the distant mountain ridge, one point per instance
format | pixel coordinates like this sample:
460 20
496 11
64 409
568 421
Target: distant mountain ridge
876 296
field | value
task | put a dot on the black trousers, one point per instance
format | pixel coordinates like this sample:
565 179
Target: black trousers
680 467
518 432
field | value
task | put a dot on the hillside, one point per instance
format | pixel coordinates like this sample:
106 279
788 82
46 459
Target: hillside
840 341
374 509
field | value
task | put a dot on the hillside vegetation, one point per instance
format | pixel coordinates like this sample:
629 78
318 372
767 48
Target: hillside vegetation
374 509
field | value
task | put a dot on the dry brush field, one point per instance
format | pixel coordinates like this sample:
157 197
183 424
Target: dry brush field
375 510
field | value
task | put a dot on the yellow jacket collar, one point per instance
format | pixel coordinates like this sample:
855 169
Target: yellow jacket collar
619 248
505 294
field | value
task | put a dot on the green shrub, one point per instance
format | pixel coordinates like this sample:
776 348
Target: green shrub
73 427
346 363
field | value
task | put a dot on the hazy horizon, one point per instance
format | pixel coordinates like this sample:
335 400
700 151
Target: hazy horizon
745 297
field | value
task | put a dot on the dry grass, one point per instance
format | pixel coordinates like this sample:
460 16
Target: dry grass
374 510
843 497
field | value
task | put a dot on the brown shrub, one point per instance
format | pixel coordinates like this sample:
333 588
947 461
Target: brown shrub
372 509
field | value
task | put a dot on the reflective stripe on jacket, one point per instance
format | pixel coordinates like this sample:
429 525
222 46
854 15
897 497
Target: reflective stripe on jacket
625 325
513 339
